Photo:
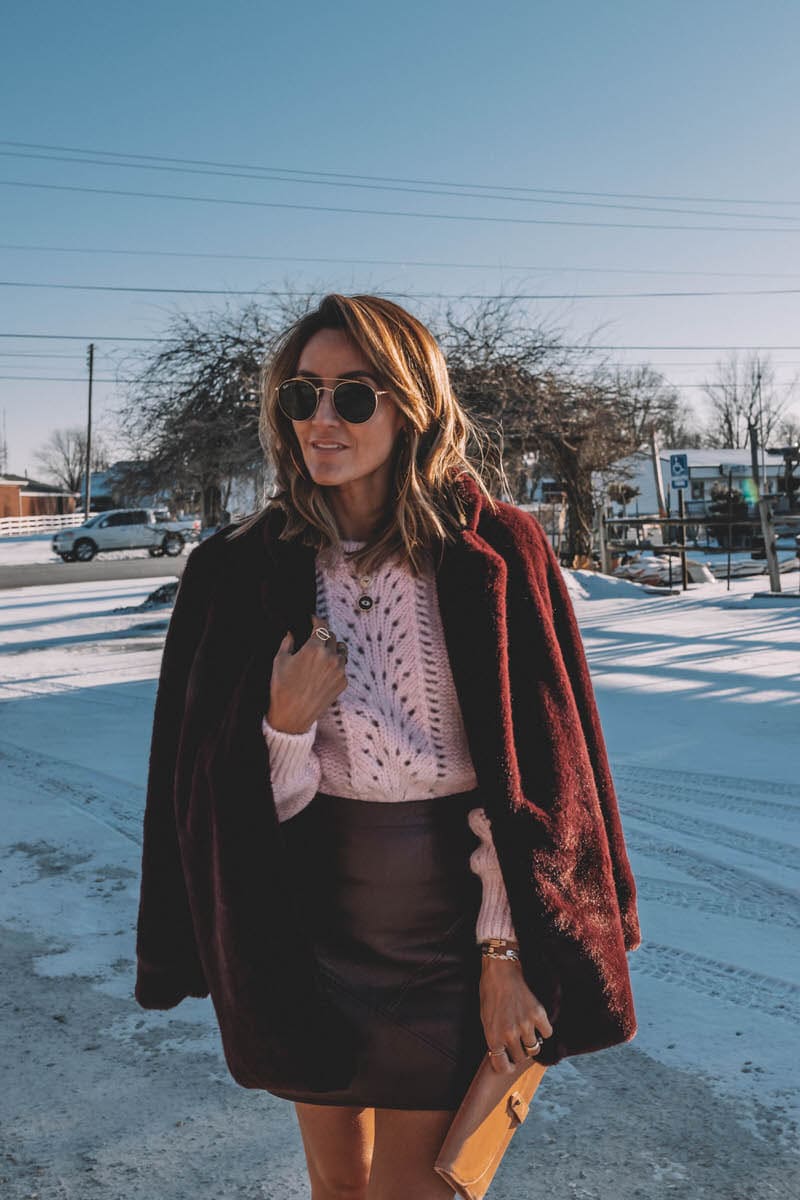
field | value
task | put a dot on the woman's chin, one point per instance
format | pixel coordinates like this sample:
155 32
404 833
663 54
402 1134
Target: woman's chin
322 472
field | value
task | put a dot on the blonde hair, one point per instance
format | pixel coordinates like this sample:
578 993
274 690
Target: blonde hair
423 509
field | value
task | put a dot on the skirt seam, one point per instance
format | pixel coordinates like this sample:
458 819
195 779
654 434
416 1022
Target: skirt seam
387 1015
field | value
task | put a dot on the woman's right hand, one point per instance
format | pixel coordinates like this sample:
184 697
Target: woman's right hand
304 683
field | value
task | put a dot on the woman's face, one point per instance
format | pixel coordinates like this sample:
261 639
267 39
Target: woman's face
328 357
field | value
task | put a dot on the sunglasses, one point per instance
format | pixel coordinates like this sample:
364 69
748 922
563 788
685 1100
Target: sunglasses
355 402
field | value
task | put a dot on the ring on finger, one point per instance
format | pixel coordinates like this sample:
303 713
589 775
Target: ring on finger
535 1047
341 648
322 633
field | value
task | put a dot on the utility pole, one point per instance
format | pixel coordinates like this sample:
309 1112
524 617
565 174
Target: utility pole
88 468
764 511
659 482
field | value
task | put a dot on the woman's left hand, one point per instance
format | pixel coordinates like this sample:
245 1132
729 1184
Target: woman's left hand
511 1014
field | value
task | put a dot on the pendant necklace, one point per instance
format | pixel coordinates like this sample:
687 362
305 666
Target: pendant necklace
365 601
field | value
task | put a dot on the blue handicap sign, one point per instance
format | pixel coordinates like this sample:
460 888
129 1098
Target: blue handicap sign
679 470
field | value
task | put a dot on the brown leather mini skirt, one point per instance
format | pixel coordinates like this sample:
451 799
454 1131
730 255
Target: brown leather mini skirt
391 902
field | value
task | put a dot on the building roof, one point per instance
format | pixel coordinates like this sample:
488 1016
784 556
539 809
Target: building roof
33 485
713 456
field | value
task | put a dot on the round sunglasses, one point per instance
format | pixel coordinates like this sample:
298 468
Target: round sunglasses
355 402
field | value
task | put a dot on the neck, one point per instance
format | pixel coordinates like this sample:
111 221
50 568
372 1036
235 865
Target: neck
358 507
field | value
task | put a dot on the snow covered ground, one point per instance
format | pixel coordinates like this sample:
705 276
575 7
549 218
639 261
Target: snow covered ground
699 697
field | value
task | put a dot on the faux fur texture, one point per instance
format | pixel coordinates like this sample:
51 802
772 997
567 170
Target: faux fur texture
217 912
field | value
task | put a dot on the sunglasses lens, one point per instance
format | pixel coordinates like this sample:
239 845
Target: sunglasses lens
297 399
355 402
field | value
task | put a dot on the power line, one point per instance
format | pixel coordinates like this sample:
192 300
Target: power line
380 212
82 379
671 365
433 190
36 354
94 337
176 291
200 162
84 337
400 262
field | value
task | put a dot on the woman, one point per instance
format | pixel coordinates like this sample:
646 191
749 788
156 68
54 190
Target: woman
345 925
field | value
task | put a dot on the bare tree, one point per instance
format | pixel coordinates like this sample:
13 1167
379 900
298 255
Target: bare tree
648 401
62 458
494 355
543 399
191 417
744 393
788 432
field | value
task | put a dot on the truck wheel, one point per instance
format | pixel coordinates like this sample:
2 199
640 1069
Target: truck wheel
67 556
173 544
155 551
85 550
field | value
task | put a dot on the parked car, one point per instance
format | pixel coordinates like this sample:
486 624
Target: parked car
189 526
119 529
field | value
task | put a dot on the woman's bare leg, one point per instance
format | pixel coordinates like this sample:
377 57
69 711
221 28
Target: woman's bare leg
406 1145
338 1142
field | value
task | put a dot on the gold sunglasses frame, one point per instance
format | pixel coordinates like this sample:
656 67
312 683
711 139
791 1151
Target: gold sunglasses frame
321 388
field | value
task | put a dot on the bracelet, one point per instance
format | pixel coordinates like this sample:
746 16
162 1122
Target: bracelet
500 948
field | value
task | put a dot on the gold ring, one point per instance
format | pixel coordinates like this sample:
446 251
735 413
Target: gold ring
322 633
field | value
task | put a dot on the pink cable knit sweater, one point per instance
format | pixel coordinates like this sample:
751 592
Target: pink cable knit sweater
396 732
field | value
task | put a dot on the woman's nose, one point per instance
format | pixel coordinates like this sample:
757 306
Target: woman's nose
326 406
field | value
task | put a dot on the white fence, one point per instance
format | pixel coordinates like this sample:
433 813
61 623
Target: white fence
19 526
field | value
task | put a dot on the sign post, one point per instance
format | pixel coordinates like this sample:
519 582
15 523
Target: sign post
679 479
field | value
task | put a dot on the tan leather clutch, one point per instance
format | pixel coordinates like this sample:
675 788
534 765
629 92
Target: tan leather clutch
493 1108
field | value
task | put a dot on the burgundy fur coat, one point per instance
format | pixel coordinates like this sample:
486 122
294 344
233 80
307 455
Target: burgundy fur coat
217 913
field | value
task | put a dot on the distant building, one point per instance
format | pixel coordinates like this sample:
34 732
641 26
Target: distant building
23 497
710 469
121 486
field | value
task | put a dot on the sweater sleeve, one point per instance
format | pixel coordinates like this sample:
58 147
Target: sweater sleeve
494 917
295 769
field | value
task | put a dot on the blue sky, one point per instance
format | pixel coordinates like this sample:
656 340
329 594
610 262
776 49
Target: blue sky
696 100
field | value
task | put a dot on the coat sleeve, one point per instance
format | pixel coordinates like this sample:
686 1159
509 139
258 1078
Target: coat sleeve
168 967
571 644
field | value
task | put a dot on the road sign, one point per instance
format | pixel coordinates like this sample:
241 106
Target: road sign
679 470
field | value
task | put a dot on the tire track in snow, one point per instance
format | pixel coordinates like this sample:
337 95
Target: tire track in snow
727 982
766 901
738 905
113 802
753 797
778 853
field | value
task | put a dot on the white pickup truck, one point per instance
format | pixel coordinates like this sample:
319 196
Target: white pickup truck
120 529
